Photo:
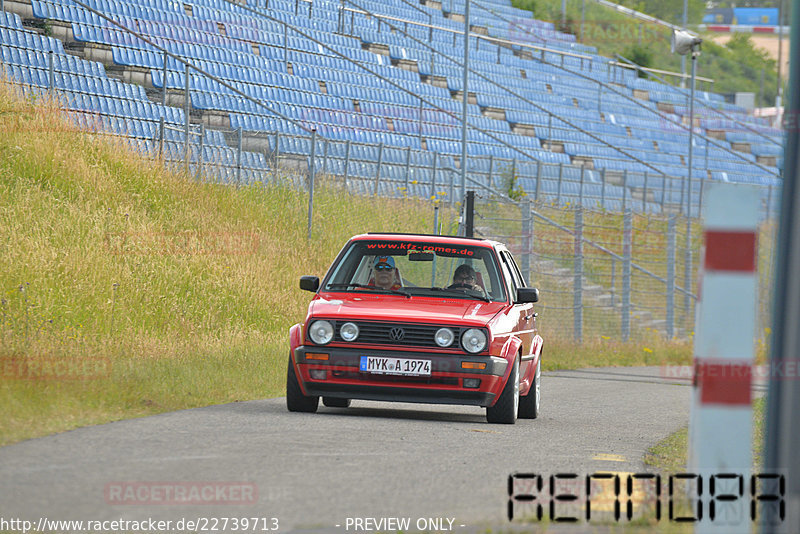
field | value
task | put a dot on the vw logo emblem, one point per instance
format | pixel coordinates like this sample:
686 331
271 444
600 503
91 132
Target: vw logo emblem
397 334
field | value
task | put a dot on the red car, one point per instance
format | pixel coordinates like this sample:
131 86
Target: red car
419 318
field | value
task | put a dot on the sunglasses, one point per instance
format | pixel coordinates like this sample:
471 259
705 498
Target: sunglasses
384 267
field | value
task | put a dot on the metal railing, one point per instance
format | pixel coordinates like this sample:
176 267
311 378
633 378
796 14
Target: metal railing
495 178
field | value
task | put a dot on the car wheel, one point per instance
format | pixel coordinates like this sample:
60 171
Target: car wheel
529 404
295 400
506 408
335 402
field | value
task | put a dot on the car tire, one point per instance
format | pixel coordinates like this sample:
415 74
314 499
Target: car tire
529 405
295 400
506 409
336 402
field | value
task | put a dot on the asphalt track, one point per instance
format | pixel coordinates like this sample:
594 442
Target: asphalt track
373 460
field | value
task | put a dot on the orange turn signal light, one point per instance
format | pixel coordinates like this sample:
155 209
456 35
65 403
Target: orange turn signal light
473 365
317 356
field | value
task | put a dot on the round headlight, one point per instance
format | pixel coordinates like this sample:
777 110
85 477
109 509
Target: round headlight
349 331
321 332
444 337
473 340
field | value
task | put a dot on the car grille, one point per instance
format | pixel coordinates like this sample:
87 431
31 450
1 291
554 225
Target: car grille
417 335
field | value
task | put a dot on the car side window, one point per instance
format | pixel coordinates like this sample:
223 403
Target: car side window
509 276
519 279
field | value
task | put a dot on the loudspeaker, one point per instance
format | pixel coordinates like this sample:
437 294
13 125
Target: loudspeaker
684 42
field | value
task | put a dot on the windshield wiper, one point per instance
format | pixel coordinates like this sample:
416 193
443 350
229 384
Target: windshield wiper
347 286
463 293
373 288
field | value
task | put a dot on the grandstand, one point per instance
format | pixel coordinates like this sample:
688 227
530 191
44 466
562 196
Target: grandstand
381 86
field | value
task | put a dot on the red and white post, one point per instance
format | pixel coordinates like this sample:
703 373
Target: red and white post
720 431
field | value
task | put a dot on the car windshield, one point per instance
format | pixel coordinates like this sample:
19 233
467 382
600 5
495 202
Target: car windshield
418 268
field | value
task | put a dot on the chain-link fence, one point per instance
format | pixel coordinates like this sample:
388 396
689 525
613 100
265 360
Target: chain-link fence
613 276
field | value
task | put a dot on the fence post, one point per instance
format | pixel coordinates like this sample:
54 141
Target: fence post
687 273
164 88
186 104
527 239
200 149
325 158
613 283
627 246
513 171
491 171
266 159
51 73
286 41
580 191
702 192
239 156
408 168
599 97
671 246
277 155
433 176
451 193
577 285
538 179
603 187
311 180
346 162
560 177
644 195
769 202
421 123
378 170
624 190
161 136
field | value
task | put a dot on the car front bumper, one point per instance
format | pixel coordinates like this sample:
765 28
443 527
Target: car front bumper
445 385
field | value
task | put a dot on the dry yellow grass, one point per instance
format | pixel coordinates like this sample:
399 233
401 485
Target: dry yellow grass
180 293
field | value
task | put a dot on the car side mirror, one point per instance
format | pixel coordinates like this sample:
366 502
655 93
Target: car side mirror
527 294
309 283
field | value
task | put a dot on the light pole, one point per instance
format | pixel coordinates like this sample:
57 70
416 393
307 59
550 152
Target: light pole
464 109
683 56
684 43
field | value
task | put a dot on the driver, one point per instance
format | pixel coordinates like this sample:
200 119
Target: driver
464 278
384 272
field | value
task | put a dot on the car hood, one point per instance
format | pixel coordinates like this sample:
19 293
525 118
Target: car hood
434 310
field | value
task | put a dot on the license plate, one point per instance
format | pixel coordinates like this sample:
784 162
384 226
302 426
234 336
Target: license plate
395 366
